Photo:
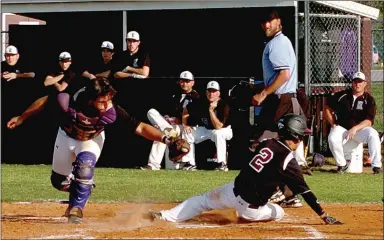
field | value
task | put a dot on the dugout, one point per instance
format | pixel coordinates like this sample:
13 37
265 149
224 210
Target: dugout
218 40
213 39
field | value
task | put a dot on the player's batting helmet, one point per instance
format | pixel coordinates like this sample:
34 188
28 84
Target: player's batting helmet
293 126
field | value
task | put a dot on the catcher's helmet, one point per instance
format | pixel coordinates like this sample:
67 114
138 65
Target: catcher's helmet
293 126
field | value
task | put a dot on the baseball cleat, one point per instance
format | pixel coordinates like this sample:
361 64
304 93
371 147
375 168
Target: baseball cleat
189 167
75 215
291 203
222 167
149 167
377 170
277 197
156 215
342 169
74 220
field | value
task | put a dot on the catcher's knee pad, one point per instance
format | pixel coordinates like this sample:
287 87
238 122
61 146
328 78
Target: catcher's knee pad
81 187
61 182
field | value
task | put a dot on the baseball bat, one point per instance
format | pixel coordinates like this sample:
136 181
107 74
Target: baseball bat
309 141
321 124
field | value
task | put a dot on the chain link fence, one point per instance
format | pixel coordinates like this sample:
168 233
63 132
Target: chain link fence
338 44
339 41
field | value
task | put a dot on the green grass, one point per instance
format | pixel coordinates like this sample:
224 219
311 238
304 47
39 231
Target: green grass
377 93
32 183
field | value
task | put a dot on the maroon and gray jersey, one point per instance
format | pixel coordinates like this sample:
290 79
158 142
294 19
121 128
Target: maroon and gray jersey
272 163
349 111
82 122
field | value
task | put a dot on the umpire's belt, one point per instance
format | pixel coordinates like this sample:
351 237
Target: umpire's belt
250 205
294 95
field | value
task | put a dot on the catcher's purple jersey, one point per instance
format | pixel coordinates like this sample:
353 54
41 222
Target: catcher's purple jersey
272 163
81 122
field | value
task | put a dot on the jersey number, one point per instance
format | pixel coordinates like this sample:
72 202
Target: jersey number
265 155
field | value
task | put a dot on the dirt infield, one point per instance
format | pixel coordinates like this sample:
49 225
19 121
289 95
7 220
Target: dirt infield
131 221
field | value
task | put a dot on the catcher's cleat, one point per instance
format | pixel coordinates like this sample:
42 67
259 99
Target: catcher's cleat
171 132
222 167
156 215
342 169
377 170
277 197
149 167
291 203
75 215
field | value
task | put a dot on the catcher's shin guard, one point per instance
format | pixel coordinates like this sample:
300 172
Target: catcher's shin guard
81 187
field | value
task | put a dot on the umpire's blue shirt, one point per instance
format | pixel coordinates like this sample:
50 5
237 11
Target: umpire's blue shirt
278 55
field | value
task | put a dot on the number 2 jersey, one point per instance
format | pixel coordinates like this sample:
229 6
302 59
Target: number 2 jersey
272 163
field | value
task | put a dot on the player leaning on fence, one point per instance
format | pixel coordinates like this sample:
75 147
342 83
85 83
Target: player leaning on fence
351 114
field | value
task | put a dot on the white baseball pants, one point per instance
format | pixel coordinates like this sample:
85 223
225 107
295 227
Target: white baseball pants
218 136
66 149
341 151
222 198
158 148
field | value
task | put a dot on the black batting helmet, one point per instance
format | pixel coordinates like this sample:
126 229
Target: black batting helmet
293 126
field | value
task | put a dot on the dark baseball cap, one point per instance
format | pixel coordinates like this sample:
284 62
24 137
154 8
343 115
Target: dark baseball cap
268 15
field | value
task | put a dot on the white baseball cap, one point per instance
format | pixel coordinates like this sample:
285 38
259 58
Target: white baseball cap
107 45
359 75
187 75
11 50
213 85
64 56
133 35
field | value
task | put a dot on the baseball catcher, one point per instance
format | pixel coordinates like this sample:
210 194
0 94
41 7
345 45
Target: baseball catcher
82 119
273 162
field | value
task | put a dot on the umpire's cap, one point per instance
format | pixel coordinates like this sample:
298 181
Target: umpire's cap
293 126
268 14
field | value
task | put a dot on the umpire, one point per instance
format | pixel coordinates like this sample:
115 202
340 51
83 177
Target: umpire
280 81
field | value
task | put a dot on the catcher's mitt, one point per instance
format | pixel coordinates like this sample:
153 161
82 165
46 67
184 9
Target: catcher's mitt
178 148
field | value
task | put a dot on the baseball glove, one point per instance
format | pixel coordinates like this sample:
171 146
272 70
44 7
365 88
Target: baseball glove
178 148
